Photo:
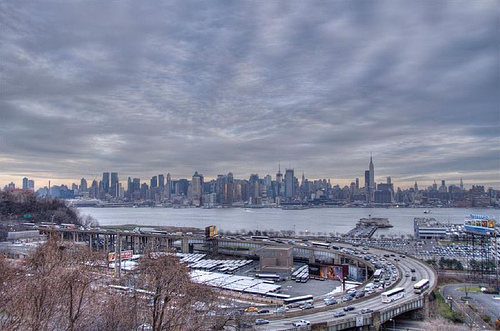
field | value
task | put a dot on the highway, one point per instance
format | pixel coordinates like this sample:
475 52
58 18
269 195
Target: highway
375 303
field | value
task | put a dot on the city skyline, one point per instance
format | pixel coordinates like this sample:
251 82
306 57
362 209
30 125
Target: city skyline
145 89
359 181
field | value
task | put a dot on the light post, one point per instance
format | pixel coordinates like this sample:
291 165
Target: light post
393 324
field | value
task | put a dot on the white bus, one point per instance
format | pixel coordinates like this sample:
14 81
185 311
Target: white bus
318 244
302 299
421 286
394 294
377 275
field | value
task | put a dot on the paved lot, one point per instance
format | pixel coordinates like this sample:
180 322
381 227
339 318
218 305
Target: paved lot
314 287
483 303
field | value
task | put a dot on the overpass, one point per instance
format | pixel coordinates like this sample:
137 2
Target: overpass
321 318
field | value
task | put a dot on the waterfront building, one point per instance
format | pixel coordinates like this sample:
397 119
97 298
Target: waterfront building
428 228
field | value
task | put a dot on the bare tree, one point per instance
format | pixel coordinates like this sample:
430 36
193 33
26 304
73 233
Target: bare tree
176 302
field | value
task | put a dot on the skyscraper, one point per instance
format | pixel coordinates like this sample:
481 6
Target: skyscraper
25 183
161 181
114 189
289 183
83 185
196 189
367 180
372 174
105 182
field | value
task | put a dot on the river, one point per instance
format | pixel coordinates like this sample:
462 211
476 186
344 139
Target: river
312 221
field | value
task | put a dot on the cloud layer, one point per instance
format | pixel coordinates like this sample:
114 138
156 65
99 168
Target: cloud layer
145 88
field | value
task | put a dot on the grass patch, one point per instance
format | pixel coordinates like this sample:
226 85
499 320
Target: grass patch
444 309
471 289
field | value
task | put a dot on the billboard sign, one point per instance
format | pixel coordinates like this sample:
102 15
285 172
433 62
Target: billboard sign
328 271
480 224
211 231
125 255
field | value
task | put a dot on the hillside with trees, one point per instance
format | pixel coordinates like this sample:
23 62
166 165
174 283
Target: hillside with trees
19 206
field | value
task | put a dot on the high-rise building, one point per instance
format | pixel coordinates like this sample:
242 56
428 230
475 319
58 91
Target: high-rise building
161 181
25 183
31 185
367 179
114 189
83 185
196 189
372 175
254 186
289 183
279 175
169 185
105 182
153 182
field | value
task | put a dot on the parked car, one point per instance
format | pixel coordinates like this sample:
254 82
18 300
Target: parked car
301 323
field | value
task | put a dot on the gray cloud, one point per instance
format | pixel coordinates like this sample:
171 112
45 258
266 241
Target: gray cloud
144 88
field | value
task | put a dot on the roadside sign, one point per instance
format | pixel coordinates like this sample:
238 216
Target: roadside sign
124 255
359 320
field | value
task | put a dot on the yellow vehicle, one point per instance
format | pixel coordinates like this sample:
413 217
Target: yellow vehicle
251 310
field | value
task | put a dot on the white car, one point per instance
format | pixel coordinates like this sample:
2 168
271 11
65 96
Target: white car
301 323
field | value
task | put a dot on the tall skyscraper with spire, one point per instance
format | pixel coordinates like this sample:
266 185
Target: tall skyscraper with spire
372 174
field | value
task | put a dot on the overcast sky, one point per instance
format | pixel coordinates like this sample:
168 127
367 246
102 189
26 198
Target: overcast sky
143 87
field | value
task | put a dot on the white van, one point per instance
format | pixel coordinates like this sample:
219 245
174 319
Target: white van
368 287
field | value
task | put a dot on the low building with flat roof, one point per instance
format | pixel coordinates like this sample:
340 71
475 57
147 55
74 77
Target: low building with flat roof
429 228
276 259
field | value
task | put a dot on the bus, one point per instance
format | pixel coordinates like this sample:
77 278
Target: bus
377 275
421 286
303 298
317 244
277 295
260 237
394 294
274 277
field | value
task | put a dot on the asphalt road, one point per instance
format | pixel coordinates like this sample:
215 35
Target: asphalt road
375 303
484 303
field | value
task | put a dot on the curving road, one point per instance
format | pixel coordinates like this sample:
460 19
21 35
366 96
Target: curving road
375 303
